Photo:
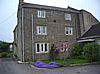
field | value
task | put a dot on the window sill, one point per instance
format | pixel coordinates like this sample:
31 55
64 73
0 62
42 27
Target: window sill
69 34
41 34
41 52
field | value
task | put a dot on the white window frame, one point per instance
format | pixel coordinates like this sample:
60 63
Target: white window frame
67 16
40 47
41 14
69 30
41 30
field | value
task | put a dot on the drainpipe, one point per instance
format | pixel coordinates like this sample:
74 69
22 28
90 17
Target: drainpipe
22 38
33 52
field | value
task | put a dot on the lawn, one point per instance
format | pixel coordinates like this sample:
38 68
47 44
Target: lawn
68 61
76 61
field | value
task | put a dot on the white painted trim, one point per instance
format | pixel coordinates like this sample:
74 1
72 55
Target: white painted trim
67 16
47 47
90 37
37 28
40 12
40 50
69 29
86 40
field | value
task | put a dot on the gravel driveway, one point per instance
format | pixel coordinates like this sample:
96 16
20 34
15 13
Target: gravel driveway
7 66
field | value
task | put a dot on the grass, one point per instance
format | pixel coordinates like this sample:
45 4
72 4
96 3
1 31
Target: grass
76 61
68 61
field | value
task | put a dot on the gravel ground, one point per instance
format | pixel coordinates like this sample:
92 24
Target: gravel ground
8 66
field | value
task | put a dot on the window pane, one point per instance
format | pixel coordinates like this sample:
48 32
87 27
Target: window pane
39 29
68 30
42 47
38 48
43 29
41 13
38 13
45 47
67 16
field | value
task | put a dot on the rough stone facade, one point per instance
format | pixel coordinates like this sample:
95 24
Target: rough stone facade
89 20
25 44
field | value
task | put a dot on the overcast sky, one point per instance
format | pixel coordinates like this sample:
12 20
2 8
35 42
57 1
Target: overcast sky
8 10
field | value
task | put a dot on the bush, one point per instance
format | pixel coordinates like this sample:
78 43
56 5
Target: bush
4 46
91 51
53 53
4 54
77 52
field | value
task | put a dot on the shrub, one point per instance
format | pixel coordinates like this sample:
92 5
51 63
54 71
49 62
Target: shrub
77 51
4 54
4 46
91 51
53 53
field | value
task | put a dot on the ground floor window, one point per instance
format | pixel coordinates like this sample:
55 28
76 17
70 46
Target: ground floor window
42 47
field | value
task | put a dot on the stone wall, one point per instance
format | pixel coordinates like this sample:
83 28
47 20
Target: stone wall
55 22
55 30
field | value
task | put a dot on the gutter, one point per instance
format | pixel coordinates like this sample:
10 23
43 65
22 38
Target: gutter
86 40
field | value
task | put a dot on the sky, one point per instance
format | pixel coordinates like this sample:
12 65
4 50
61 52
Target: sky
8 12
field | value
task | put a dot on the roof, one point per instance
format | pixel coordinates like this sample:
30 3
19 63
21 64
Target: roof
15 28
70 8
93 32
31 5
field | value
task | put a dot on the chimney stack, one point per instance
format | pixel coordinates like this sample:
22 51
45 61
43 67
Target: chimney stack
20 2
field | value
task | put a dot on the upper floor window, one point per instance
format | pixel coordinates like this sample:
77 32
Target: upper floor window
41 30
68 30
41 13
42 47
67 16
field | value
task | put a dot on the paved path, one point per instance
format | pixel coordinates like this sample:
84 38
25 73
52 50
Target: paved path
7 66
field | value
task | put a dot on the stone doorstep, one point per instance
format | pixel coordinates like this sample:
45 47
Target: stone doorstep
20 62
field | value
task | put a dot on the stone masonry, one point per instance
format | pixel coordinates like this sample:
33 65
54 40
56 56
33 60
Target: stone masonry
27 21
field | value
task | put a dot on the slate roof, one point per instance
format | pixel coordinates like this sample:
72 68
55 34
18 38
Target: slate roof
31 5
94 31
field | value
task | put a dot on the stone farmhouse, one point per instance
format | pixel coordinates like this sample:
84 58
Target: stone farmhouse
40 26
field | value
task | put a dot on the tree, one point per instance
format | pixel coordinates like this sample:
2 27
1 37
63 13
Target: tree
91 51
4 46
53 53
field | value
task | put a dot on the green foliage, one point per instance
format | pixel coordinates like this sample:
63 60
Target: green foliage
77 51
4 54
77 61
68 61
91 51
53 53
4 46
